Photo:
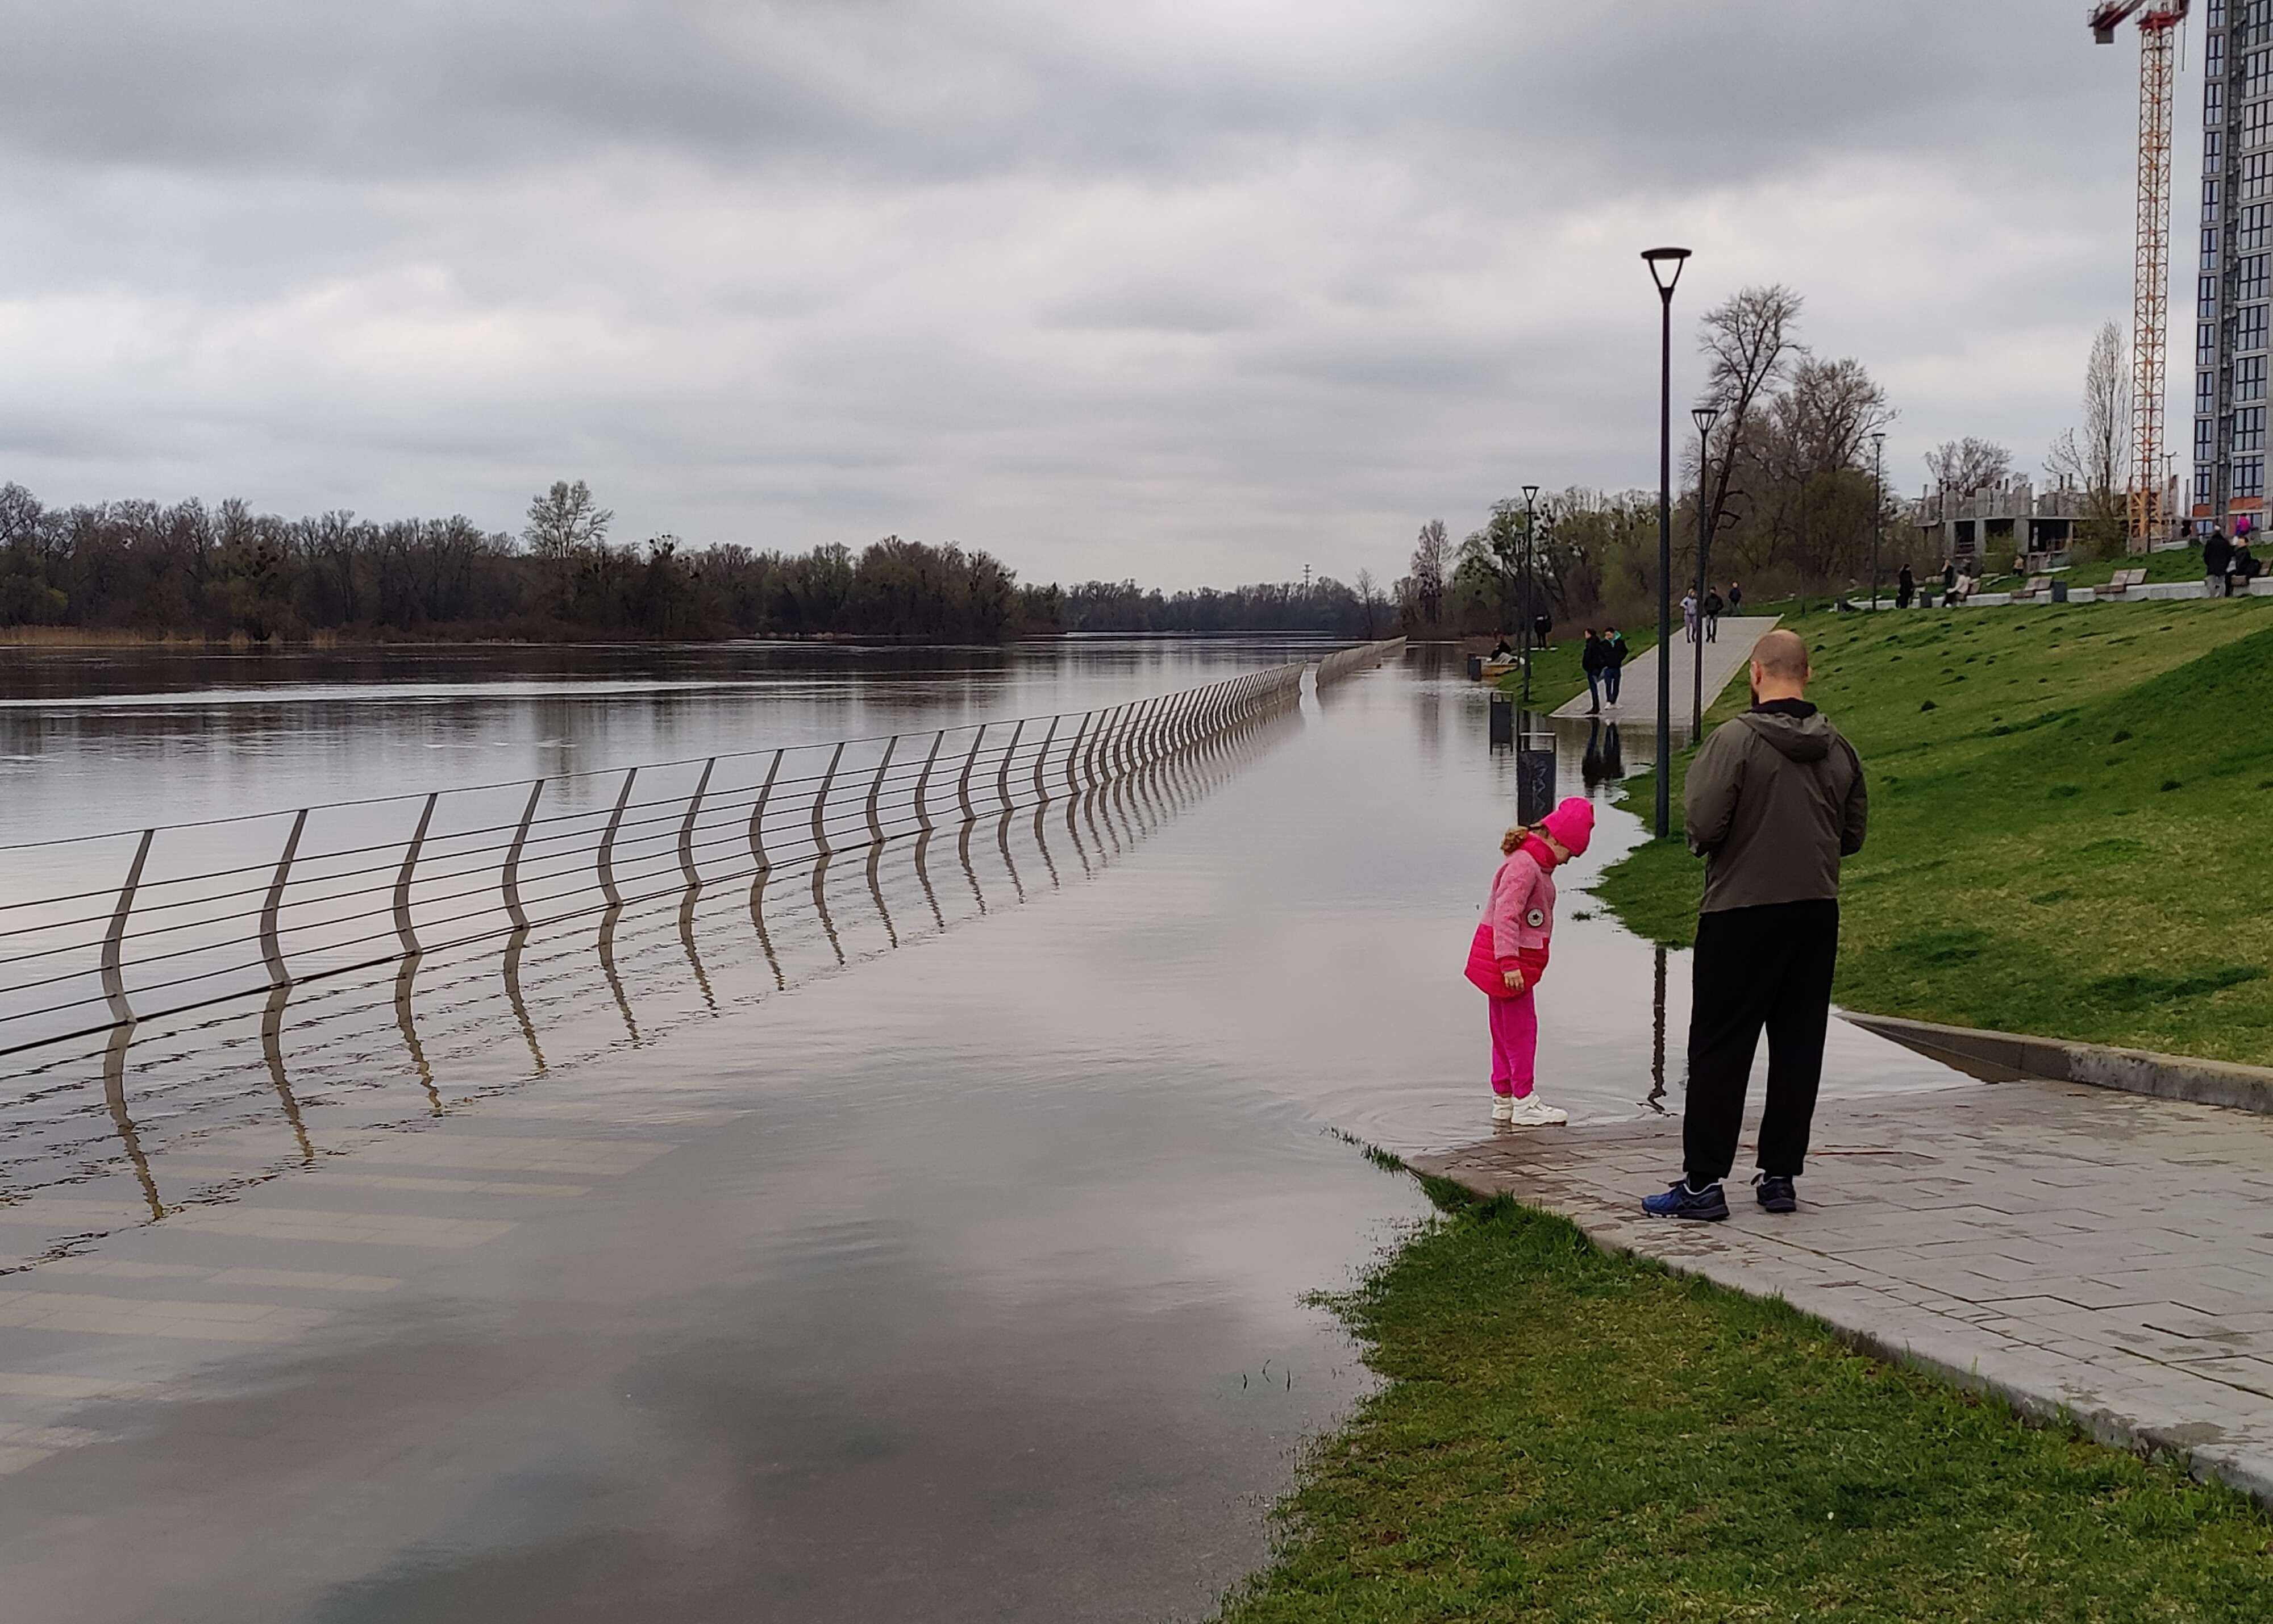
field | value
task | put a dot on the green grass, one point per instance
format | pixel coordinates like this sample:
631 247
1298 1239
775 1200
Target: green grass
2180 563
2069 816
1567 1436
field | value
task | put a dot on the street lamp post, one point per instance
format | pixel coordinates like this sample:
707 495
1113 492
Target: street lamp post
1530 591
1878 507
1665 265
1703 416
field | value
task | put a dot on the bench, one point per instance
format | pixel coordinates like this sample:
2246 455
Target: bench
2119 585
2038 585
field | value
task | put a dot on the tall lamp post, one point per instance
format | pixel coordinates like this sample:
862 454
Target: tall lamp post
1530 499
1878 507
1703 417
1665 265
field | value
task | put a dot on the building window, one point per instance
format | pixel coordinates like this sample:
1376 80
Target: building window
2205 439
2256 74
2206 297
2249 428
2249 332
2201 484
2205 390
2209 246
2250 278
2249 476
2205 343
2249 378
2250 232
2256 123
2214 144
2210 197
2214 55
2214 100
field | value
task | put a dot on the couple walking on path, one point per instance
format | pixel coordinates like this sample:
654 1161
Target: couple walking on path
1603 659
1774 800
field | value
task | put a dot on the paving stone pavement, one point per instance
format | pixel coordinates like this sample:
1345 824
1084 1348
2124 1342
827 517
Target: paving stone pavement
2072 1249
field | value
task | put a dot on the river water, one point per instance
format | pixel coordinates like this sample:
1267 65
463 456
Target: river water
934 1238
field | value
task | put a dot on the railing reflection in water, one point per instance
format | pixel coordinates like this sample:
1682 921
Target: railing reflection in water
190 1110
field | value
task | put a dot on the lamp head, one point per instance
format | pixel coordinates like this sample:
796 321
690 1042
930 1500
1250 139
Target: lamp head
1530 495
1703 417
1665 267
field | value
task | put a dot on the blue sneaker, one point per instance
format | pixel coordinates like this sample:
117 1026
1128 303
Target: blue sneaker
1708 1205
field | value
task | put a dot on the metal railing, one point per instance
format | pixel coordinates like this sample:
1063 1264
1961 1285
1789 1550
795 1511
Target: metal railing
193 923
1364 658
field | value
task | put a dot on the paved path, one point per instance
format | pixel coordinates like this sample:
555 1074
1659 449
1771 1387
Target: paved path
1724 658
2072 1248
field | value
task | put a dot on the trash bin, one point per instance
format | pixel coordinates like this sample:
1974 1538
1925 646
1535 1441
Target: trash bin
2060 592
1502 718
1475 668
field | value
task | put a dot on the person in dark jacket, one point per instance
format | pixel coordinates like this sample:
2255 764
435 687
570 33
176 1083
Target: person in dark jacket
1736 598
2242 566
1542 623
1713 607
1949 583
1775 801
1905 587
1591 658
2218 554
1615 662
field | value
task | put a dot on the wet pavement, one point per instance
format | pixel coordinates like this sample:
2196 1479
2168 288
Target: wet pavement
932 1238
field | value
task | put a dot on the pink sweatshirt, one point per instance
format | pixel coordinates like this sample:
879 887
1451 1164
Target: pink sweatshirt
1521 912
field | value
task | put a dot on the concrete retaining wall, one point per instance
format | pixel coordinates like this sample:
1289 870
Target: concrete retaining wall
2008 1057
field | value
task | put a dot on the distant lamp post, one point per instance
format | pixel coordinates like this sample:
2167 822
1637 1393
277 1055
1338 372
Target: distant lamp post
1665 267
1530 500
1703 417
1878 507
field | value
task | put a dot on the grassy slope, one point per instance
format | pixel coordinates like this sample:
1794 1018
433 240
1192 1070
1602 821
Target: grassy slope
1566 1436
2069 809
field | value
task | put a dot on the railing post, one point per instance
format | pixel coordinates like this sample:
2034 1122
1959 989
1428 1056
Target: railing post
820 802
923 782
1009 754
272 951
963 784
114 939
1073 754
758 816
876 789
403 927
607 842
1042 759
1103 735
512 878
687 828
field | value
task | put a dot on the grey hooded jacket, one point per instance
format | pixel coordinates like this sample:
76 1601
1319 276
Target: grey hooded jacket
1774 799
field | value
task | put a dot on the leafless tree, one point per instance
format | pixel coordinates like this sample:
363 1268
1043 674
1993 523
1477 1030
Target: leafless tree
2097 460
565 524
1750 341
1968 465
1432 558
1371 603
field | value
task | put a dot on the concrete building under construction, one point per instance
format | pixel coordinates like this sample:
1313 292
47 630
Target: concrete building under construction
2234 293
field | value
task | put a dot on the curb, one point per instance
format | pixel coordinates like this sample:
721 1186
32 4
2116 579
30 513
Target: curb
2010 1057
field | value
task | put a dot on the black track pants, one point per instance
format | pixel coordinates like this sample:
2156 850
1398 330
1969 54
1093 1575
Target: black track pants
1753 967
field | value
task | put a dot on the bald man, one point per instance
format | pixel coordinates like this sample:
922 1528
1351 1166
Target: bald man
1774 800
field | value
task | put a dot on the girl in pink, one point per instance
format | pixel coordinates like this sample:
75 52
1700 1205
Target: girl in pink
1509 954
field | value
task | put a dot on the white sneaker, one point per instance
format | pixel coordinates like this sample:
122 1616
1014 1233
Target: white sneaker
1503 1107
1532 1112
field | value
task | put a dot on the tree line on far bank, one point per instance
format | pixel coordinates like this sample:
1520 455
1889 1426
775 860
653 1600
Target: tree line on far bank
226 570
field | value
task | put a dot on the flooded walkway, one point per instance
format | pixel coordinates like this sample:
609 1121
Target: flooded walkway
1724 658
2073 1249
934 1240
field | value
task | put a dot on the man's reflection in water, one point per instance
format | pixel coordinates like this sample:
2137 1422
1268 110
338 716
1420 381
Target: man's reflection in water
1605 761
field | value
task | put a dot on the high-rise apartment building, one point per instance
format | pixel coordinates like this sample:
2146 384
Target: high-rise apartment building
2233 290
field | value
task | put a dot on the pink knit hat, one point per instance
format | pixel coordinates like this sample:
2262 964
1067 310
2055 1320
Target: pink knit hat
1572 824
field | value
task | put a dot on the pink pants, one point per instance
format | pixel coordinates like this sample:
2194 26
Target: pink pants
1515 1043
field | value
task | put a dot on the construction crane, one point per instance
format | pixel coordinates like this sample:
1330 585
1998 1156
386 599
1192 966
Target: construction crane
2159 21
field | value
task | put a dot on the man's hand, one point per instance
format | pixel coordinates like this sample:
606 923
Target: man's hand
1515 979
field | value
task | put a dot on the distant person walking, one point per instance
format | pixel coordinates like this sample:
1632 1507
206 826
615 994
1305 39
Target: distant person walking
1905 587
1592 659
1541 624
1614 672
1713 607
1949 583
1509 954
2217 554
1736 598
1774 800
1689 615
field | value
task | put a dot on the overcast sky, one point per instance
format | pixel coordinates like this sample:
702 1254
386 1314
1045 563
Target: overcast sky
1185 291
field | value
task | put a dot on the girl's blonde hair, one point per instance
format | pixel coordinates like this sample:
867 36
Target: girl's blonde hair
1513 838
